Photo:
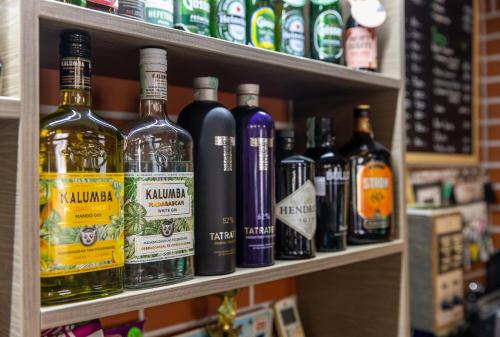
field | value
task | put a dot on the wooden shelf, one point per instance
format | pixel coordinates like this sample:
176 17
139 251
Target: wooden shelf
200 286
10 108
193 55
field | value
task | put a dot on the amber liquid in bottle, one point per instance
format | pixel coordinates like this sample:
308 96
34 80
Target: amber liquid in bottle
371 184
81 173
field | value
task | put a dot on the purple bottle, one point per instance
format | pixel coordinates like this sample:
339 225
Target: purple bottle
255 180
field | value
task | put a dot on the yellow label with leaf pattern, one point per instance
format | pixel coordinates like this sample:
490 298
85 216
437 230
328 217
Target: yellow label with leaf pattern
81 222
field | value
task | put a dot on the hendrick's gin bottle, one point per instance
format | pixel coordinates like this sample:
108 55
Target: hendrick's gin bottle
371 184
296 201
331 181
212 127
255 184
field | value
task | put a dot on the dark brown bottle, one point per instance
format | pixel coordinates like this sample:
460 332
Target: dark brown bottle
295 201
332 185
371 184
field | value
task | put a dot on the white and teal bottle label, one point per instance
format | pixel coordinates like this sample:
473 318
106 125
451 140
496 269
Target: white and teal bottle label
327 35
193 16
230 21
292 33
160 12
262 28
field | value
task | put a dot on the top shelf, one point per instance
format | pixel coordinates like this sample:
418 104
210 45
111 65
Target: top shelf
192 55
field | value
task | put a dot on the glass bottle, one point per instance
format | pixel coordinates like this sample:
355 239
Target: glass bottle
81 188
213 129
159 12
371 184
326 28
255 179
110 6
192 16
261 24
82 3
332 185
133 9
296 201
228 20
159 186
360 46
290 27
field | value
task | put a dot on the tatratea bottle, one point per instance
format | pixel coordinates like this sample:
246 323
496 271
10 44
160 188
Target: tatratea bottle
332 185
296 201
213 130
255 179
159 186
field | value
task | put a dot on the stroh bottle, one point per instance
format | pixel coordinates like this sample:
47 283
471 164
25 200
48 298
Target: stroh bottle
213 129
296 201
371 185
81 188
159 186
255 179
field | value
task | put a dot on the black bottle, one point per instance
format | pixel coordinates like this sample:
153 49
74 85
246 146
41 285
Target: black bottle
371 194
332 185
212 127
296 201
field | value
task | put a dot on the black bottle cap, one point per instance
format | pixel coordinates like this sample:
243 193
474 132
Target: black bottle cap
362 110
320 131
285 134
74 43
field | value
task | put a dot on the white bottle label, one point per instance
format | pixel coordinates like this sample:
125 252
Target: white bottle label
320 183
298 210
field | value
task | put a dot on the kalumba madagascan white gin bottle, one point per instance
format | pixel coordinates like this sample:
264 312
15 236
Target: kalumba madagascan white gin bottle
159 186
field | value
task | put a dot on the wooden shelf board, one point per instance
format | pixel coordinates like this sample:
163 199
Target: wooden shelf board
200 286
10 107
193 55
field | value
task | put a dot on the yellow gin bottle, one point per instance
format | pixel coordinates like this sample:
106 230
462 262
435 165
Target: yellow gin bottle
81 189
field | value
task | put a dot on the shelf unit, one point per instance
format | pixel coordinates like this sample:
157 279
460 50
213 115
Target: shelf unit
336 289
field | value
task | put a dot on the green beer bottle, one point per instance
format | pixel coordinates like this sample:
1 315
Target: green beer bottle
290 37
193 16
159 12
326 30
228 20
82 3
261 24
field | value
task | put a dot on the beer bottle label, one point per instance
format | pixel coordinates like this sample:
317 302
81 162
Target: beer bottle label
292 32
160 12
361 48
298 210
230 23
375 194
262 28
193 16
327 35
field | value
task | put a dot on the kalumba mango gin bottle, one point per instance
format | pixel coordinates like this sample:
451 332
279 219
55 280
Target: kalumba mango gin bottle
81 188
159 186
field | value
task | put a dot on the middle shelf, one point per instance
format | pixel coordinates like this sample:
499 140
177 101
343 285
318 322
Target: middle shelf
200 286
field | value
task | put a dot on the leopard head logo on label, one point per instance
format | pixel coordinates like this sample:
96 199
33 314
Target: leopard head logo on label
167 228
88 235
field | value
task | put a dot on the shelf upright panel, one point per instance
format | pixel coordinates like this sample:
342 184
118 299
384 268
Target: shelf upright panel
26 280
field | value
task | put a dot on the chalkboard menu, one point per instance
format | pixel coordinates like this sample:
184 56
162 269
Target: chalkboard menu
439 51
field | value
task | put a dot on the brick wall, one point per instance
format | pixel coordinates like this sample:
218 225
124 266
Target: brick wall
490 101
